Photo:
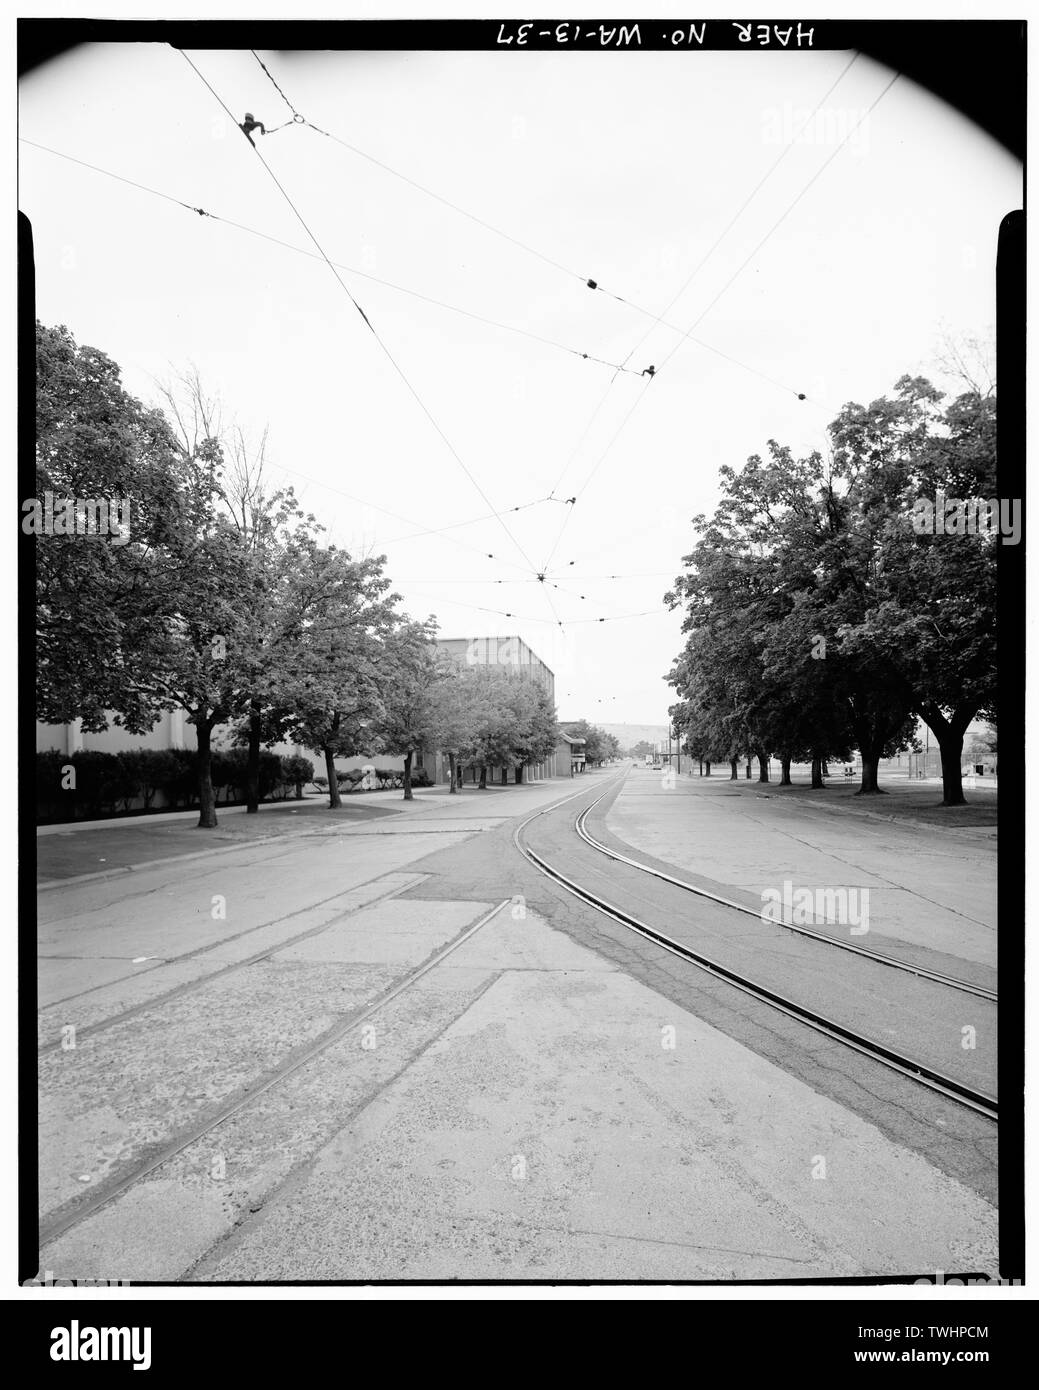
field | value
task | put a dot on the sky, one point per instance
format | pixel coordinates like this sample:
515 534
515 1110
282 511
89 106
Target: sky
623 168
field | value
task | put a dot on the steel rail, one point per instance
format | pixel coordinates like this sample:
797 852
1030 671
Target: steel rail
947 1086
880 956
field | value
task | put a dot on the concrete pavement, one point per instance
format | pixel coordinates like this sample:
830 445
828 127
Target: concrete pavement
525 1109
930 887
85 850
552 1131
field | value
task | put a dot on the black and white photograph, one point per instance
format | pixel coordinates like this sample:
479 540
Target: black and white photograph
521 558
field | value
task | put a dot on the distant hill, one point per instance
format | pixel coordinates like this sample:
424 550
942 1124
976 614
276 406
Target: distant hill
630 734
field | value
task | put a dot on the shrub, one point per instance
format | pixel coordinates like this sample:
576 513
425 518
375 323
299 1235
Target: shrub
105 782
421 778
271 776
151 768
123 778
182 785
227 769
53 802
96 783
99 784
297 770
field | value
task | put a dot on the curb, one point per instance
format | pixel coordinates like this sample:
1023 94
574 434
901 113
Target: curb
155 863
51 883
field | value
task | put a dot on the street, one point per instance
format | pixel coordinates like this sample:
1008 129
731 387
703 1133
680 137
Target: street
299 1060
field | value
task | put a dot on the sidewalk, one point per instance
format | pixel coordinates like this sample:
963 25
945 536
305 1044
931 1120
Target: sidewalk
90 849
931 886
66 852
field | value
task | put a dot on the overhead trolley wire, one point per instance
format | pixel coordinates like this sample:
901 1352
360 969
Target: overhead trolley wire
354 149
457 525
313 256
525 618
295 472
660 318
340 265
375 507
346 290
478 608
590 282
739 213
595 578
586 280
733 278
784 215
295 114
599 462
463 212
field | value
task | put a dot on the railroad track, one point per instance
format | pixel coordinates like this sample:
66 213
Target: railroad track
933 1080
75 1210
951 981
72 1213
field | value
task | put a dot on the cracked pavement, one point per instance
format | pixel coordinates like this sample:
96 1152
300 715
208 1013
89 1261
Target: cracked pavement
555 1098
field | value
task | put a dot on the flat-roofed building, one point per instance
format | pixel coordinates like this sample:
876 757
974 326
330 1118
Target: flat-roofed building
508 653
173 730
514 657
569 755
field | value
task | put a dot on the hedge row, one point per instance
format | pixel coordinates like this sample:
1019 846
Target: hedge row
419 778
87 785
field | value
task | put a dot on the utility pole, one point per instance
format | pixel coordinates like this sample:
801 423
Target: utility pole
678 750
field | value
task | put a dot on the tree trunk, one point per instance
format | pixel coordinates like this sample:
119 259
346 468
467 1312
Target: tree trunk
701 766
483 777
734 770
949 733
252 763
505 776
762 758
817 775
750 768
518 776
871 735
334 799
407 776
869 786
708 766
952 770
784 778
206 799
452 767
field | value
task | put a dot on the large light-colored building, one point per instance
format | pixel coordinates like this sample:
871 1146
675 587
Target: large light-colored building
510 654
172 729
